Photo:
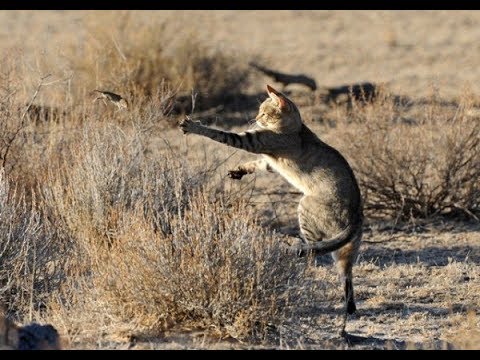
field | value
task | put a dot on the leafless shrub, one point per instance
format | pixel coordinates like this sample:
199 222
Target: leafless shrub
160 250
33 254
139 58
416 167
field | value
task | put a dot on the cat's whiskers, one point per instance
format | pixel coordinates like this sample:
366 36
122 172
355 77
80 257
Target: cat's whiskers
252 124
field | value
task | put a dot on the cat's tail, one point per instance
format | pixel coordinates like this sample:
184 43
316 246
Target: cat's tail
351 232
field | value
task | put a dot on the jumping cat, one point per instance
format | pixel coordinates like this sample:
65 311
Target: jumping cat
330 213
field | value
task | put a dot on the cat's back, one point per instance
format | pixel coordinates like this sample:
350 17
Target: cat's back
329 165
323 156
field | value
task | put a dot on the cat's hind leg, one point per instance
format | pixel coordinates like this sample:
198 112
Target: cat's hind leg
344 258
318 222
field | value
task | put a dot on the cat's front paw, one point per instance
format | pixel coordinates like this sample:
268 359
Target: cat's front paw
236 174
188 126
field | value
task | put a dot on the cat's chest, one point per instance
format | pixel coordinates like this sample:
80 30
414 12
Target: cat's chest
292 170
283 163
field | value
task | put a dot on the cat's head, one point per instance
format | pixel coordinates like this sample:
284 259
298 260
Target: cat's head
278 113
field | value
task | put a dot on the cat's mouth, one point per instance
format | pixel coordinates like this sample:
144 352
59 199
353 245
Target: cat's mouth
259 124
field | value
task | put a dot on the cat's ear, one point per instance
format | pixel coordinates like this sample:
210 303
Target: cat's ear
278 97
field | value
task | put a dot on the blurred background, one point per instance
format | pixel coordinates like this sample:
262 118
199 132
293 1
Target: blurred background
411 50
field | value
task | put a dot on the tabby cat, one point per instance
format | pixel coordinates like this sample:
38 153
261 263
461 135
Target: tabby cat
330 212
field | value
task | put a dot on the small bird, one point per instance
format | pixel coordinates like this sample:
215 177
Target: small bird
116 99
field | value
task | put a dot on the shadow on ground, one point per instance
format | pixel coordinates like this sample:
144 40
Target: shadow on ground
429 256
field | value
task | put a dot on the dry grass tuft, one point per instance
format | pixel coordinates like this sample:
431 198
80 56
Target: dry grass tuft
466 332
421 165
216 270
33 253
155 251
137 59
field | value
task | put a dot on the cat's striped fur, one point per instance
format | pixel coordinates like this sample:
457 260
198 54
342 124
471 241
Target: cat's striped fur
330 212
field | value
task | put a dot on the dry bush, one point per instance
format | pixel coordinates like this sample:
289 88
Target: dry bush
419 166
108 172
32 249
124 55
31 134
38 240
33 253
156 250
12 119
217 270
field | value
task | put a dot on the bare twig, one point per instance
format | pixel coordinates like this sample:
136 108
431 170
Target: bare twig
194 98
120 52
11 139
